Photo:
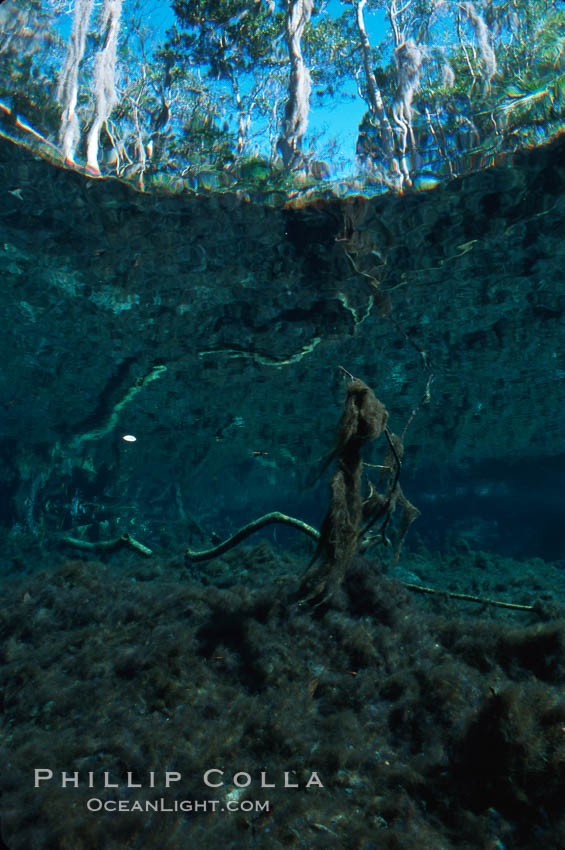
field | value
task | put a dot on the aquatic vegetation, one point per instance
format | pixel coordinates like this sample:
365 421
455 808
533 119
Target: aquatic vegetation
374 690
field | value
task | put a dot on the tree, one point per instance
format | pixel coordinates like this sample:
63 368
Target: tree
235 85
234 44
298 13
238 48
446 73
28 50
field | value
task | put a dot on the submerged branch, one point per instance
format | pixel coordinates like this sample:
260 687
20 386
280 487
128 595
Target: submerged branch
249 529
126 540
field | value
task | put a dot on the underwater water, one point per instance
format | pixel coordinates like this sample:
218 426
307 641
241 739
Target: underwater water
282 447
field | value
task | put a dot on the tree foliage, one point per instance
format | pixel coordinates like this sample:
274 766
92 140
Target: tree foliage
240 89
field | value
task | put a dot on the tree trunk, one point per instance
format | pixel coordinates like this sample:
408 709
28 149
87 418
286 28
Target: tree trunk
298 101
104 79
374 96
67 90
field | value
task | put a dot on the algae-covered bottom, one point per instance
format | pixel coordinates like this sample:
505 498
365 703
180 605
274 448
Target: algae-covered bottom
429 723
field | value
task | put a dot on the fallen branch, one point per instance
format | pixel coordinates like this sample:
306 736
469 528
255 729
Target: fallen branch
109 545
249 529
420 588
256 525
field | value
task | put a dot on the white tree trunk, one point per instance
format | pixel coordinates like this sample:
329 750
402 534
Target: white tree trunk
104 79
67 90
298 101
